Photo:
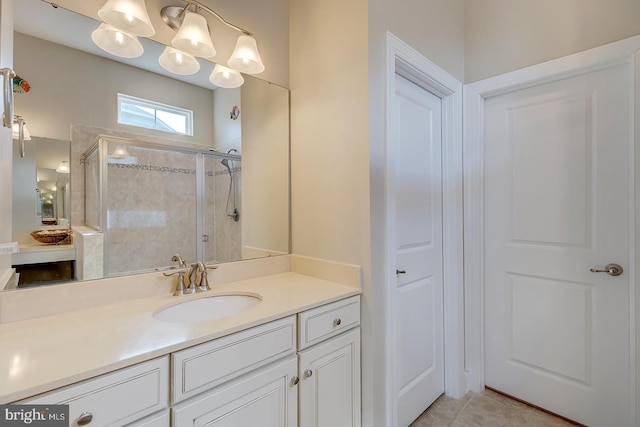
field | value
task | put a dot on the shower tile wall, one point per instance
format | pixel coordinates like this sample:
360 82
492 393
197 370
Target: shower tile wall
227 245
151 210
173 192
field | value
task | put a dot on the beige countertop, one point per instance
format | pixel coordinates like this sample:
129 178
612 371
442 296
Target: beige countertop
44 353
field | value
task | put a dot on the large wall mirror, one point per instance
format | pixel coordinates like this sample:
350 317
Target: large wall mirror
133 195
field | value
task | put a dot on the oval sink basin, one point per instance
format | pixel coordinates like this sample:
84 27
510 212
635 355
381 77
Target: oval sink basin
213 307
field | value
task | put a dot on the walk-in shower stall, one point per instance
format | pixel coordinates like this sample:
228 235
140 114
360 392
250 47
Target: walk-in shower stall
151 201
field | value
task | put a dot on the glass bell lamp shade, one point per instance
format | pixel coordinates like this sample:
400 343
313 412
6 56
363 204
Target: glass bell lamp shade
226 77
178 62
193 37
245 57
129 16
120 152
116 42
63 167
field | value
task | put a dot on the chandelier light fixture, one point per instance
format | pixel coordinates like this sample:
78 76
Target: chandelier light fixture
126 20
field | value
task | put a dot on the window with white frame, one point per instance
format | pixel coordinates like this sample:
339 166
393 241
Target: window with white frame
154 115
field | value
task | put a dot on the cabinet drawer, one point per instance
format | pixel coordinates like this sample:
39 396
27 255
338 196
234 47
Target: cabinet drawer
207 365
328 320
116 398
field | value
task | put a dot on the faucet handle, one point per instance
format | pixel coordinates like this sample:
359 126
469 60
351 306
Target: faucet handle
180 289
204 282
170 271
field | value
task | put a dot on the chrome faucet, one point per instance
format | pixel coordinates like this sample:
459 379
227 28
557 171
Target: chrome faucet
197 276
194 276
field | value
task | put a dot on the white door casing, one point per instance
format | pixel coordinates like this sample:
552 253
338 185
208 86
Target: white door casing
6 145
419 334
549 194
404 61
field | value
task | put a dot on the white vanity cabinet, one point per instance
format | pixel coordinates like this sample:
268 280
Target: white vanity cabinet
329 365
130 396
302 370
266 398
243 379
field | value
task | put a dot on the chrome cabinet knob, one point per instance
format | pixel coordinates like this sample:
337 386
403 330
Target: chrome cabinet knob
337 322
308 373
295 380
610 269
85 418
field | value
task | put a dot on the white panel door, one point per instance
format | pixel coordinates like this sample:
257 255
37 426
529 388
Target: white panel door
418 291
557 204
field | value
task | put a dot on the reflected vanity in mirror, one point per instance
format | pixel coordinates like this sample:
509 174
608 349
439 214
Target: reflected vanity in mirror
136 195
41 207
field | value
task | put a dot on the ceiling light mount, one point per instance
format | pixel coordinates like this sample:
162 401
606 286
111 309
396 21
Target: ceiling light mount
194 40
173 15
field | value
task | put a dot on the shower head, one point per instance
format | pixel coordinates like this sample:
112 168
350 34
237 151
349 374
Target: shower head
225 162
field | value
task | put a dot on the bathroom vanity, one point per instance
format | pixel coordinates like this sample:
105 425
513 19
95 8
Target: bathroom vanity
292 360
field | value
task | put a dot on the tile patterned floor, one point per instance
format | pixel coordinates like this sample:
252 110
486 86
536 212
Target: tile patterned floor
488 409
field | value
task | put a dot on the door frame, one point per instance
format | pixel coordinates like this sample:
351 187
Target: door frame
623 52
402 59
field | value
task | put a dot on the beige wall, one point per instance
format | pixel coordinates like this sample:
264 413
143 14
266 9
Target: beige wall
330 141
506 35
227 133
329 130
265 168
73 87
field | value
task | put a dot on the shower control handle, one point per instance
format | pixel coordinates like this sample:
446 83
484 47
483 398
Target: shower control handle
399 272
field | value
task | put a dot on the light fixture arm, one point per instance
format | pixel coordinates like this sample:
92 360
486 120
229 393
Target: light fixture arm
214 13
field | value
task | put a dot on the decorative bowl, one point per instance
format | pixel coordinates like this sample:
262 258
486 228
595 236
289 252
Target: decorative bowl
50 236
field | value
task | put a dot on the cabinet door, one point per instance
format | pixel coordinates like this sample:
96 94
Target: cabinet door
267 398
330 382
161 419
